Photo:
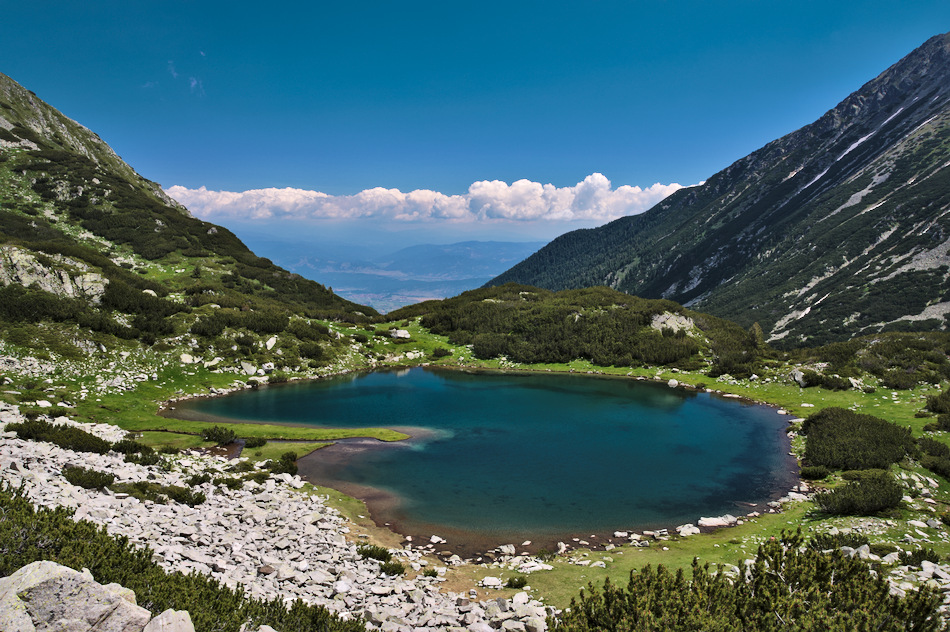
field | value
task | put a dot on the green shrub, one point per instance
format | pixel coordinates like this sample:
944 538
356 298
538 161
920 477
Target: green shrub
392 567
157 493
842 439
828 541
430 572
815 472
933 448
790 587
277 377
143 458
183 495
255 442
939 404
258 477
516 582
230 482
88 479
914 558
441 352
899 380
857 475
937 465
221 436
66 437
198 479
285 465
242 466
861 497
372 551
130 446
881 549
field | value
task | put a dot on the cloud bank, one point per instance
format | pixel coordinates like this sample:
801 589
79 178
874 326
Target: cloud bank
487 201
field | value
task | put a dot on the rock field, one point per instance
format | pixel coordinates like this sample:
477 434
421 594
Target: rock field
270 538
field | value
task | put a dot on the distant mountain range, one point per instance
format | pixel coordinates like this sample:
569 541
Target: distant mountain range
841 228
394 279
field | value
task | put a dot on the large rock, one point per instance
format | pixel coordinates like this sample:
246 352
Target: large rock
171 621
44 596
799 378
720 521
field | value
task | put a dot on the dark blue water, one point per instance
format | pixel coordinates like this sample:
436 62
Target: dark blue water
531 454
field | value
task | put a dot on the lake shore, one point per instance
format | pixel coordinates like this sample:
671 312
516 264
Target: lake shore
385 506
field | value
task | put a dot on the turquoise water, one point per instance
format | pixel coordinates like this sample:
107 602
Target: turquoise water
530 455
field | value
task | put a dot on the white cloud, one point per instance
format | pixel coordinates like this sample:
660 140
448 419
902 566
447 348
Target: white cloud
197 87
486 201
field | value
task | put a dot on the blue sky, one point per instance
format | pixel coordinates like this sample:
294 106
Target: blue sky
508 119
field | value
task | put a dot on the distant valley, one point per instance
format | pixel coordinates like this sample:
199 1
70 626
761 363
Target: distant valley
394 279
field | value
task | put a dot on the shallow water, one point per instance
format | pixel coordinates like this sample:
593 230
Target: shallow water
530 456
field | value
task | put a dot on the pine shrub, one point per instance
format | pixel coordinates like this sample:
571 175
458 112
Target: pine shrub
66 437
198 479
828 541
516 582
88 478
861 497
285 464
789 587
130 446
230 482
372 551
815 472
916 557
220 435
184 495
392 567
841 439
936 464
939 404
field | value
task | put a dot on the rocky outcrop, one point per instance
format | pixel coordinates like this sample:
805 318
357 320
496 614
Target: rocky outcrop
61 276
46 596
669 320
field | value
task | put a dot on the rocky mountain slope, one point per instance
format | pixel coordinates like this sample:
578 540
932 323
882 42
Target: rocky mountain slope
94 255
838 229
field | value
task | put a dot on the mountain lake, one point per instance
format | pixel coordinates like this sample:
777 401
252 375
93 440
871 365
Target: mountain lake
500 457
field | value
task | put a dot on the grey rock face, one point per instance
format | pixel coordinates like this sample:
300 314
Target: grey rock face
46 596
69 278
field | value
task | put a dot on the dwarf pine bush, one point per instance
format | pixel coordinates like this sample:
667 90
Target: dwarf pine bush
841 439
789 587
66 437
861 497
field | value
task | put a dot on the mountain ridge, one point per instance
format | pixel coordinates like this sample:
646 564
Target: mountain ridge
95 258
699 242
